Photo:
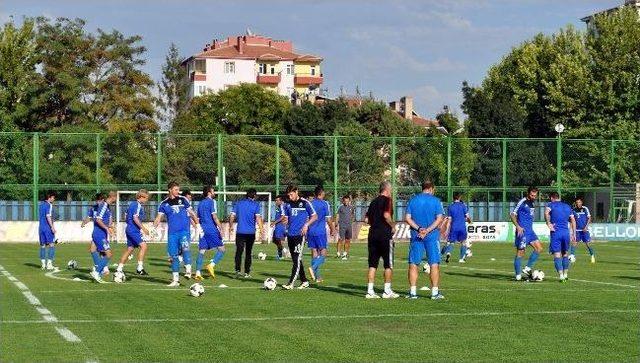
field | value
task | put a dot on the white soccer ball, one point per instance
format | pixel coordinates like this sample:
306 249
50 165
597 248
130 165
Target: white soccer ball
270 283
572 258
196 290
119 277
426 268
537 275
72 264
262 256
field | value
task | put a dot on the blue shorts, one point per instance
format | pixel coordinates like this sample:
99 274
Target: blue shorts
429 245
177 241
101 242
559 241
582 236
46 237
279 233
526 239
134 238
317 242
457 235
210 240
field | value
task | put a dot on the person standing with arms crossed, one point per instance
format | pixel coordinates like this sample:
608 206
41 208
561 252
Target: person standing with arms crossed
246 211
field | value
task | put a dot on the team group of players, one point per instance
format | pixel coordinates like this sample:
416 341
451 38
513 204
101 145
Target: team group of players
299 218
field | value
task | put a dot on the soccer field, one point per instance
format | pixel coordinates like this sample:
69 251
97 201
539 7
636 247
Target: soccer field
485 317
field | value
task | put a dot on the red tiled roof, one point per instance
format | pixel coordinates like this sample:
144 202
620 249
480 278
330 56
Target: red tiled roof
309 58
254 52
424 122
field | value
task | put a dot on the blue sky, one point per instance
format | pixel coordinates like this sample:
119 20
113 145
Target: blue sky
392 48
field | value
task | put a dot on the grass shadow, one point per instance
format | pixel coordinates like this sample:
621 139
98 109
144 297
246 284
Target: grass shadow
487 276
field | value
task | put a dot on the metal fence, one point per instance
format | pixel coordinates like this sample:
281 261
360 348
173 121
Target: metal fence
492 172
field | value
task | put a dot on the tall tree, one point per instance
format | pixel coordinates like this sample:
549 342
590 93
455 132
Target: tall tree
173 88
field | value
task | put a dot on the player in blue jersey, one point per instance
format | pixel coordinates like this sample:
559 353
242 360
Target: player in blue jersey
177 209
135 232
210 236
279 227
424 215
559 215
47 232
583 219
247 212
522 218
102 229
299 215
458 216
91 212
317 237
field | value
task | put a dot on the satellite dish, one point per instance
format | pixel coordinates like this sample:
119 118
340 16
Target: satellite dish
559 128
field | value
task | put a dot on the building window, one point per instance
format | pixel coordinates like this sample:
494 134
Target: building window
290 69
229 67
273 70
202 90
262 68
201 66
313 70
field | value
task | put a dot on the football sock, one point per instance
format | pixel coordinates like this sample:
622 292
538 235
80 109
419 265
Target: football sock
52 253
565 263
102 263
120 267
532 259
217 257
387 287
413 290
434 291
280 251
590 250
96 258
199 260
572 250
370 288
448 248
42 253
463 251
176 276
557 262
140 266
517 264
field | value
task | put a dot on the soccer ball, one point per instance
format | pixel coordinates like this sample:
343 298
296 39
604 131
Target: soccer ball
119 277
270 283
426 268
572 258
72 264
537 275
262 256
196 290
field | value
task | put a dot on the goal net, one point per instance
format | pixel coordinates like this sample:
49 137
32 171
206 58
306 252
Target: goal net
225 203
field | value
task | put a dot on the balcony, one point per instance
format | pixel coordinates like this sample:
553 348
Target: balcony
268 79
308 79
197 76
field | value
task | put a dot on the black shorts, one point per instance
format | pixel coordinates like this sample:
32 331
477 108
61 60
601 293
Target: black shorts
344 232
380 247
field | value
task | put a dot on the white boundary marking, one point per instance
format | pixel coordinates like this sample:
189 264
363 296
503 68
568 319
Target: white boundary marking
331 317
47 316
570 278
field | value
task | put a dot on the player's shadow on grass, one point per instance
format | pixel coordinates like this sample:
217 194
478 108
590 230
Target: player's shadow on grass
617 263
232 276
636 278
34 265
488 276
147 278
274 275
342 288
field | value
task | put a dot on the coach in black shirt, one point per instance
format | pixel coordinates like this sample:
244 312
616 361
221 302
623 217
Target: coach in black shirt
380 241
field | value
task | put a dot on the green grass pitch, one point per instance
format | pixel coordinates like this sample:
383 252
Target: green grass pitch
485 317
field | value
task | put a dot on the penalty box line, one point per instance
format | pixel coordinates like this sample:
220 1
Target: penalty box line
330 317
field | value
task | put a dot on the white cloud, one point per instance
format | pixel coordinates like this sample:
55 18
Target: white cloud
395 57
429 100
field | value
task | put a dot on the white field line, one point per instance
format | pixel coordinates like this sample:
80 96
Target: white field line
332 317
47 316
570 278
